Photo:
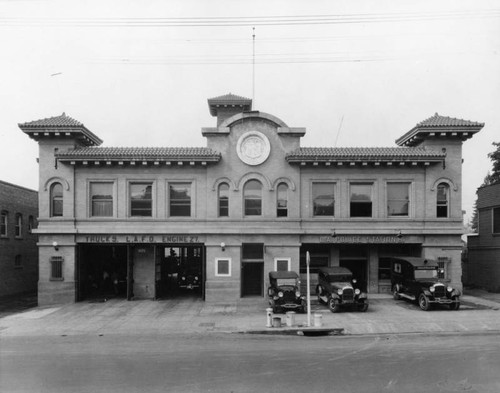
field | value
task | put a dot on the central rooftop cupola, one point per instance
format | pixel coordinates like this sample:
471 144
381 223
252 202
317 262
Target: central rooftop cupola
228 105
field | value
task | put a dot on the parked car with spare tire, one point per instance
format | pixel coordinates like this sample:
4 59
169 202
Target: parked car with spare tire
284 292
335 288
417 279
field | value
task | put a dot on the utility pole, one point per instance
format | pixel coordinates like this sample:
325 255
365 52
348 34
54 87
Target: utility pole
253 66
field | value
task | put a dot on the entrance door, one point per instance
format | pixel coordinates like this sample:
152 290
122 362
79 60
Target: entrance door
359 270
252 278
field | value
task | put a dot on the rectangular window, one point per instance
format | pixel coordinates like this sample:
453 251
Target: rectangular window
180 199
3 223
19 225
223 200
252 251
18 262
442 205
361 199
319 258
101 199
323 195
223 267
282 200
141 199
282 264
56 268
496 220
398 199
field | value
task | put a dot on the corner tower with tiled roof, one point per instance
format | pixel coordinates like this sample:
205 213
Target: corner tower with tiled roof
228 105
438 127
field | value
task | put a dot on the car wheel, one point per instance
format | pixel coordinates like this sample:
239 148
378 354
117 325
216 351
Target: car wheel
363 307
423 302
395 293
333 305
455 306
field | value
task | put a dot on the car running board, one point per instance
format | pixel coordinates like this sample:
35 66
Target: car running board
409 297
324 298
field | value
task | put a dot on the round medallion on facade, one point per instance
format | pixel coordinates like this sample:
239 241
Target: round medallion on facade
253 148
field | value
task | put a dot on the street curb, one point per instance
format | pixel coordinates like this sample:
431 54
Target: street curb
332 332
298 331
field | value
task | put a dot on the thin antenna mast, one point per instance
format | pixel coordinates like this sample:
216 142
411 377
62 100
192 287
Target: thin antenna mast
253 66
338 131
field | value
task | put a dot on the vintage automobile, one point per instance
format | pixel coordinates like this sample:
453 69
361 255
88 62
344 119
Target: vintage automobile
335 288
416 279
189 277
284 292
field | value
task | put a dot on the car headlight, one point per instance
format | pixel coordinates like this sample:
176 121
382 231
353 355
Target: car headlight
449 289
280 294
340 291
183 278
297 294
357 291
432 289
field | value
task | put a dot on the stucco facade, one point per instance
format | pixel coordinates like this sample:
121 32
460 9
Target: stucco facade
252 201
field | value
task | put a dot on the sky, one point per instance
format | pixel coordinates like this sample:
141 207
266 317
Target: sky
357 73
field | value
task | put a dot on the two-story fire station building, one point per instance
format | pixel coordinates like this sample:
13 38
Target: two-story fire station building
143 222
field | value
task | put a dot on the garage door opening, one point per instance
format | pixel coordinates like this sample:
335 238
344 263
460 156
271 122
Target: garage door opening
102 272
179 272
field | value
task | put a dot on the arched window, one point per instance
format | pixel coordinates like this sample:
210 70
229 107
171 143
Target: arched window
4 221
19 225
56 200
253 198
443 200
282 200
223 199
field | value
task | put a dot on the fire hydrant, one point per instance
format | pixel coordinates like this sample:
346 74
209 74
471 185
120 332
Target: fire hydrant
269 312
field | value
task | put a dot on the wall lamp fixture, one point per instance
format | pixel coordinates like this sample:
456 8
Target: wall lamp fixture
223 246
399 235
334 234
55 245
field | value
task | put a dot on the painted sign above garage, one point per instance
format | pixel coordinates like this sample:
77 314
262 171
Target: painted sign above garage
170 239
355 239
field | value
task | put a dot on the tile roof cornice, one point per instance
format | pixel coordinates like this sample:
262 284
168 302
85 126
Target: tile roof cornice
229 100
364 154
440 126
153 154
63 126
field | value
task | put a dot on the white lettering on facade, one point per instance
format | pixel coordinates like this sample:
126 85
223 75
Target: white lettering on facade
140 239
360 239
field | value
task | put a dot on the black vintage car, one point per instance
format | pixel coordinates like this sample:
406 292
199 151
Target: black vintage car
189 277
416 279
335 288
284 292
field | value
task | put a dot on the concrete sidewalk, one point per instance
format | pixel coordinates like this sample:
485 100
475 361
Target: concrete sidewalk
193 316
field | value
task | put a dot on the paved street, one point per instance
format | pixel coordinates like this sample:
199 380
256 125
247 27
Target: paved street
191 346
250 363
